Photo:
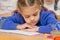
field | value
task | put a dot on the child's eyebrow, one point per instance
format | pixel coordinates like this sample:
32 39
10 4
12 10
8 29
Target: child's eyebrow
36 11
33 13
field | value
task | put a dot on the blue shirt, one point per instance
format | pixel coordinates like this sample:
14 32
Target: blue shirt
46 23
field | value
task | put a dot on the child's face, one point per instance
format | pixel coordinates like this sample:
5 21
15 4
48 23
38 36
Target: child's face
31 14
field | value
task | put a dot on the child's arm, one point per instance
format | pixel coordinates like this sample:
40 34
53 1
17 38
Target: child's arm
11 23
51 24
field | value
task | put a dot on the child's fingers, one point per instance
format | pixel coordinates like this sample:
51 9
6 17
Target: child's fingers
32 30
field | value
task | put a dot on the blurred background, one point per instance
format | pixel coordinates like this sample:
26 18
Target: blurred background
10 5
7 5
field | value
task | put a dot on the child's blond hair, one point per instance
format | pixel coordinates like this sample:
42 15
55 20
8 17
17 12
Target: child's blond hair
25 3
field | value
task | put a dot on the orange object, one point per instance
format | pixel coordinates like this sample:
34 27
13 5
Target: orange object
57 38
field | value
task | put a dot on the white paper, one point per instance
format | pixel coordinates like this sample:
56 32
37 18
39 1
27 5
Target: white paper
19 32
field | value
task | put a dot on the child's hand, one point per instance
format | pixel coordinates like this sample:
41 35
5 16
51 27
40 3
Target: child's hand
23 26
32 29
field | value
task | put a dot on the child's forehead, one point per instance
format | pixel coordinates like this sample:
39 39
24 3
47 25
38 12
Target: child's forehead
30 13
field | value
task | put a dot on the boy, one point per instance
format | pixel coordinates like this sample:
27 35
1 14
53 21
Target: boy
31 16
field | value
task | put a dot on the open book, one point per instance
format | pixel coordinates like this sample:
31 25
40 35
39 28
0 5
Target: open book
19 32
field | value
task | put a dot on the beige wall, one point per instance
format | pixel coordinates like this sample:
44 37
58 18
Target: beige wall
7 5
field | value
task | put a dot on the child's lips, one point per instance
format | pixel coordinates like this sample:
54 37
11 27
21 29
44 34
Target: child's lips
33 22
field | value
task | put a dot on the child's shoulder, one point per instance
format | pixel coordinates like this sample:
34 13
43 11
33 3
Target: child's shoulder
46 11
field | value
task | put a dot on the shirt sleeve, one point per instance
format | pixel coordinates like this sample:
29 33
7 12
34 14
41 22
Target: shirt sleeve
10 23
52 24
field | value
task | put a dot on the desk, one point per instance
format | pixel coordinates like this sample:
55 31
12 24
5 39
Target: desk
12 36
58 17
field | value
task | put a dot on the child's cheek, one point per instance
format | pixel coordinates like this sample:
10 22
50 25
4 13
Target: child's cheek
27 21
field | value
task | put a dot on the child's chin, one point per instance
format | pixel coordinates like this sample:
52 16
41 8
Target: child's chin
33 24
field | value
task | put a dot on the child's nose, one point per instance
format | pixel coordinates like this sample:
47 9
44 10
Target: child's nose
32 18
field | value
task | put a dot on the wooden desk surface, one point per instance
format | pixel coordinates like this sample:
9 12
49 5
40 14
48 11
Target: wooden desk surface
58 17
11 36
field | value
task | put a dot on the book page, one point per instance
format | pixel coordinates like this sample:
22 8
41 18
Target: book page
20 32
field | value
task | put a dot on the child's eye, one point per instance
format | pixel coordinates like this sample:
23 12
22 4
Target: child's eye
35 14
27 16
